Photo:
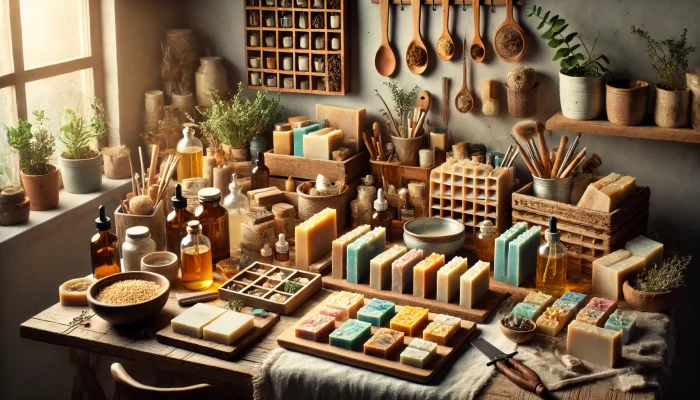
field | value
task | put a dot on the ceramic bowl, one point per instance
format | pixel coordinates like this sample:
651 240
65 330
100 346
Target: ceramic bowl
162 263
518 336
132 313
434 235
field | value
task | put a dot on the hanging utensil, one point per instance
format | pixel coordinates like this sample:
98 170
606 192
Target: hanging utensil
464 101
445 44
423 100
477 51
416 53
509 40
385 59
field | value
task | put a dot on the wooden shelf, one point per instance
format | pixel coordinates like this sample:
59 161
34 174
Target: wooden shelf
559 122
456 2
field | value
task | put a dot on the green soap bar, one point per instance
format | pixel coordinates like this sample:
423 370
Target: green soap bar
522 256
623 321
362 251
527 310
500 259
299 134
377 312
351 334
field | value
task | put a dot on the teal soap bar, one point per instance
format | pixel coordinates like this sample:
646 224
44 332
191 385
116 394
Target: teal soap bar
522 256
526 310
377 312
500 259
351 334
623 321
362 251
299 134
576 299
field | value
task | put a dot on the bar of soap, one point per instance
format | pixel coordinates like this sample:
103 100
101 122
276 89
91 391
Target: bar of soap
283 142
347 302
351 334
402 271
610 273
338 314
341 154
283 210
596 311
573 297
539 298
651 251
594 344
425 275
348 119
384 343
361 251
607 194
623 321
501 248
340 248
380 267
297 118
553 320
74 292
474 284
193 320
418 353
315 327
320 144
448 279
314 237
441 329
522 256
377 312
229 327
410 320
299 134
533 306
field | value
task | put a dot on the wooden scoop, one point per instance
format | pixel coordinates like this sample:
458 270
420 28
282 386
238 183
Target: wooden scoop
506 38
423 100
385 60
416 39
477 43
464 92
446 30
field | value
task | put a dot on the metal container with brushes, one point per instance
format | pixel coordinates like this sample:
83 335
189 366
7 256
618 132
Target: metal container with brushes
553 189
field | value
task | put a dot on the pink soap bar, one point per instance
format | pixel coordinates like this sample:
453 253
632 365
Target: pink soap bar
337 313
402 271
315 327
597 311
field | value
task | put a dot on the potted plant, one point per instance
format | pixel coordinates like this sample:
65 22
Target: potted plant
406 147
669 58
656 289
581 75
81 165
35 145
626 101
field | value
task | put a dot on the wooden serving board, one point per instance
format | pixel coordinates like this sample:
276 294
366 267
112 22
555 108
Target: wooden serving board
390 366
483 309
206 347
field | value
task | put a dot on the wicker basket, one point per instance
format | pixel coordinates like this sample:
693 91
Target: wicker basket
522 103
626 101
310 205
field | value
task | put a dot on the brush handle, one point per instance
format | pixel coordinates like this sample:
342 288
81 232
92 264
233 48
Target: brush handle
560 154
531 167
532 153
569 154
574 163
544 153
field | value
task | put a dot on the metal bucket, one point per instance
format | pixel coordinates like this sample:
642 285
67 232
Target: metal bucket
553 189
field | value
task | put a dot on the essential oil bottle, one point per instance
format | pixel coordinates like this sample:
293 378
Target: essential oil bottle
551 262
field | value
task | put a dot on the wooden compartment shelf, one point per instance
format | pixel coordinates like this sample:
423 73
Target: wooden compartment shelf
456 2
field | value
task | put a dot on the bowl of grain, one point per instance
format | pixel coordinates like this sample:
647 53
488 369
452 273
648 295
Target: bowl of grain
129 297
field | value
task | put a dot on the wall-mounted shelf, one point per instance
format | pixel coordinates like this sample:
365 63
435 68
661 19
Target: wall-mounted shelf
456 2
559 122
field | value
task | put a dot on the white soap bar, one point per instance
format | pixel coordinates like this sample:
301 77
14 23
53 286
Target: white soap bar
415 358
611 271
474 284
448 279
423 345
608 194
651 251
229 327
593 344
193 321
320 144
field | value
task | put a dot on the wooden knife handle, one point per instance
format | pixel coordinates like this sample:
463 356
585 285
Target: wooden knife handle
521 377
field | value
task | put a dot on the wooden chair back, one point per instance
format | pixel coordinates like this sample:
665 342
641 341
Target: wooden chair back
127 387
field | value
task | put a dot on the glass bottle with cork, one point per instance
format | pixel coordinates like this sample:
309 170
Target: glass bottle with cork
381 216
191 152
176 222
104 248
214 220
486 242
260 178
236 204
551 262
196 258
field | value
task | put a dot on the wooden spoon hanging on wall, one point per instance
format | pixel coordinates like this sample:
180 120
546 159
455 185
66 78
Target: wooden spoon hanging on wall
464 101
385 60
445 35
477 51
509 41
416 44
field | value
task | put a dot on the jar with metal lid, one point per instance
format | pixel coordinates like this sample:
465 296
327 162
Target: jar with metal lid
138 244
214 220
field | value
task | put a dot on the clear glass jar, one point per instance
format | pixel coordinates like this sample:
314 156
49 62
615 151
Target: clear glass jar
366 194
196 258
214 220
138 244
486 242
236 204
191 153
551 263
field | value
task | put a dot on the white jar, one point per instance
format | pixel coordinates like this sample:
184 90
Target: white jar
319 42
304 85
270 21
270 41
255 62
425 158
272 81
335 21
303 63
138 244
255 78
302 21
335 43
318 65
287 21
304 41
289 83
254 40
287 41
287 63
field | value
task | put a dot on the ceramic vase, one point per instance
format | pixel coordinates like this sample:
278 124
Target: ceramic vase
626 101
81 176
671 108
211 75
581 97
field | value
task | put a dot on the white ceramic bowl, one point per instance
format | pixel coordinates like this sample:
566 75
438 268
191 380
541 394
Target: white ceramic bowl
434 235
162 263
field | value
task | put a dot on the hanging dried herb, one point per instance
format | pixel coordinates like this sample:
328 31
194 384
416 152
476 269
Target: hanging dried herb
334 73
317 22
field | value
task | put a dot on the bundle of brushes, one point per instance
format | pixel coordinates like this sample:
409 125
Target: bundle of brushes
144 199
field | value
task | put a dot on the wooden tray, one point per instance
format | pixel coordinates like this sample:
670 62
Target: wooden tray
309 168
390 366
252 278
206 347
483 309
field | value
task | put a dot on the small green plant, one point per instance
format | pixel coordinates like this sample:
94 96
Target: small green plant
292 286
403 104
669 58
667 276
572 63
77 133
34 143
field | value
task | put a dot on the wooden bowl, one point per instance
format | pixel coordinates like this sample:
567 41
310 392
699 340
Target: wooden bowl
434 235
517 336
132 313
649 301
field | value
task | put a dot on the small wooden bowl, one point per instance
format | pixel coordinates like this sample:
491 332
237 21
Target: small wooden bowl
132 313
517 336
649 301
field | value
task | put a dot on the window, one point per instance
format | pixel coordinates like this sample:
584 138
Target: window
50 59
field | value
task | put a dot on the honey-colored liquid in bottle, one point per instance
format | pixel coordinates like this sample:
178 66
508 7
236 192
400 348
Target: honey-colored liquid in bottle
191 153
486 242
176 222
214 220
551 263
104 253
196 258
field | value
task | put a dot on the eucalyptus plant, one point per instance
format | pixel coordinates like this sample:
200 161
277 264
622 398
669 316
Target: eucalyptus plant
78 133
669 58
34 143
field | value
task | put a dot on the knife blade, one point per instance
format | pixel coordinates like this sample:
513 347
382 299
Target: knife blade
490 351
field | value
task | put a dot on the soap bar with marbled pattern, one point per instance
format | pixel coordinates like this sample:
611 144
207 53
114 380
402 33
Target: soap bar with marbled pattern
425 275
385 343
380 267
351 334
596 311
623 321
377 312
402 271
362 251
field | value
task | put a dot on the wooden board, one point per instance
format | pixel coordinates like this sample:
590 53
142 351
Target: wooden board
483 309
308 168
390 366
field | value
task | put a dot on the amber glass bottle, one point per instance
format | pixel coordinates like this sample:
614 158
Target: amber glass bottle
195 254
486 242
176 223
103 248
260 177
381 216
214 220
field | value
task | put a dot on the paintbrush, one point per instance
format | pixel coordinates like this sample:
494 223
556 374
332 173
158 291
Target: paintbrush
527 160
544 151
567 157
526 131
559 156
574 163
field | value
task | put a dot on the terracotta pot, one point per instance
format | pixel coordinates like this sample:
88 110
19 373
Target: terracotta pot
211 74
81 176
42 190
238 153
693 81
649 301
407 149
671 108
581 98
626 101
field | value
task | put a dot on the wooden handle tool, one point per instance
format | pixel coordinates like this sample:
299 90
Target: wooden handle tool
574 163
155 149
528 163
569 153
544 151
558 159
368 143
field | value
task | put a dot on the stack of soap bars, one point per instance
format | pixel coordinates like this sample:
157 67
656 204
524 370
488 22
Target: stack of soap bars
212 323
515 254
559 313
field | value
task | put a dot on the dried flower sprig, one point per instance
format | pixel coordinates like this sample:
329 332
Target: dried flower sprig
667 276
235 305
80 319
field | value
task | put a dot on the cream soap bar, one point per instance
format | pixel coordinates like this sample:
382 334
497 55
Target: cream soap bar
340 248
522 256
553 320
229 327
441 329
348 119
611 271
314 238
348 303
384 343
361 251
623 321
299 134
474 284
380 268
315 327
192 321
501 248
351 334
377 312
74 292
418 353
607 194
651 251
402 271
533 306
597 345
320 144
448 279
596 311
425 275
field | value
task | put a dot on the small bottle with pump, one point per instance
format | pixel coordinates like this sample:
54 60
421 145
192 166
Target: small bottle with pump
486 242
104 248
266 253
381 216
282 249
551 262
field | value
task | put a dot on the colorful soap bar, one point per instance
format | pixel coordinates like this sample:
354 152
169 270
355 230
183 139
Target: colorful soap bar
533 306
339 250
596 311
338 314
361 251
540 299
573 297
651 251
346 302
377 312
448 279
610 273
380 267
229 327
522 256
623 321
501 248
553 320
593 344
193 320
418 353
299 134
474 284
315 327
384 343
441 329
425 275
351 334
320 144
410 320
402 271
314 237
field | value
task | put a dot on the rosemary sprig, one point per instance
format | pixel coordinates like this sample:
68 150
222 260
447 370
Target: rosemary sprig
235 305
667 276
83 317
292 286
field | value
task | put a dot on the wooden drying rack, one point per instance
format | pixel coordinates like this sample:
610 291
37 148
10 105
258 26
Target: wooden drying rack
455 2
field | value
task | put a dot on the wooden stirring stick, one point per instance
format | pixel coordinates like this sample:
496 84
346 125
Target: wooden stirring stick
528 163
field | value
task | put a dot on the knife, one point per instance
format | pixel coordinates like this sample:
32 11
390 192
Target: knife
516 372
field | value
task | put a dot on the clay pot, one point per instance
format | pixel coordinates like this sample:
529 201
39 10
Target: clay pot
693 81
239 153
671 108
81 176
407 149
42 190
649 301
626 101
581 98
211 74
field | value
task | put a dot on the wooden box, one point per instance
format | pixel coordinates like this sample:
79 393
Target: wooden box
263 278
587 234
154 222
308 168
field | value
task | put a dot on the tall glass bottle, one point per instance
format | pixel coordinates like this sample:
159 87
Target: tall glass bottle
196 258
191 153
237 204
176 222
486 242
261 174
381 216
104 246
214 220
551 262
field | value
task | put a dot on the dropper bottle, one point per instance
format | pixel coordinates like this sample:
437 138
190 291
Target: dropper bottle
266 253
282 249
381 216
551 262
103 248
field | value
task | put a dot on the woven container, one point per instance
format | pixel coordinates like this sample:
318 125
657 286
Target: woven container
310 205
522 103
626 101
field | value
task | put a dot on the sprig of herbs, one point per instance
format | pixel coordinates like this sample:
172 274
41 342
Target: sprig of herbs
80 319
77 133
235 305
667 276
669 58
292 286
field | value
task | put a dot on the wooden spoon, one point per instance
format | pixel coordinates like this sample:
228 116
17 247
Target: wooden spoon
385 60
416 40
423 100
464 96
509 41
477 46
446 31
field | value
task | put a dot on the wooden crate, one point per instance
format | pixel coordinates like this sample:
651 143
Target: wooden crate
309 168
397 174
587 234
